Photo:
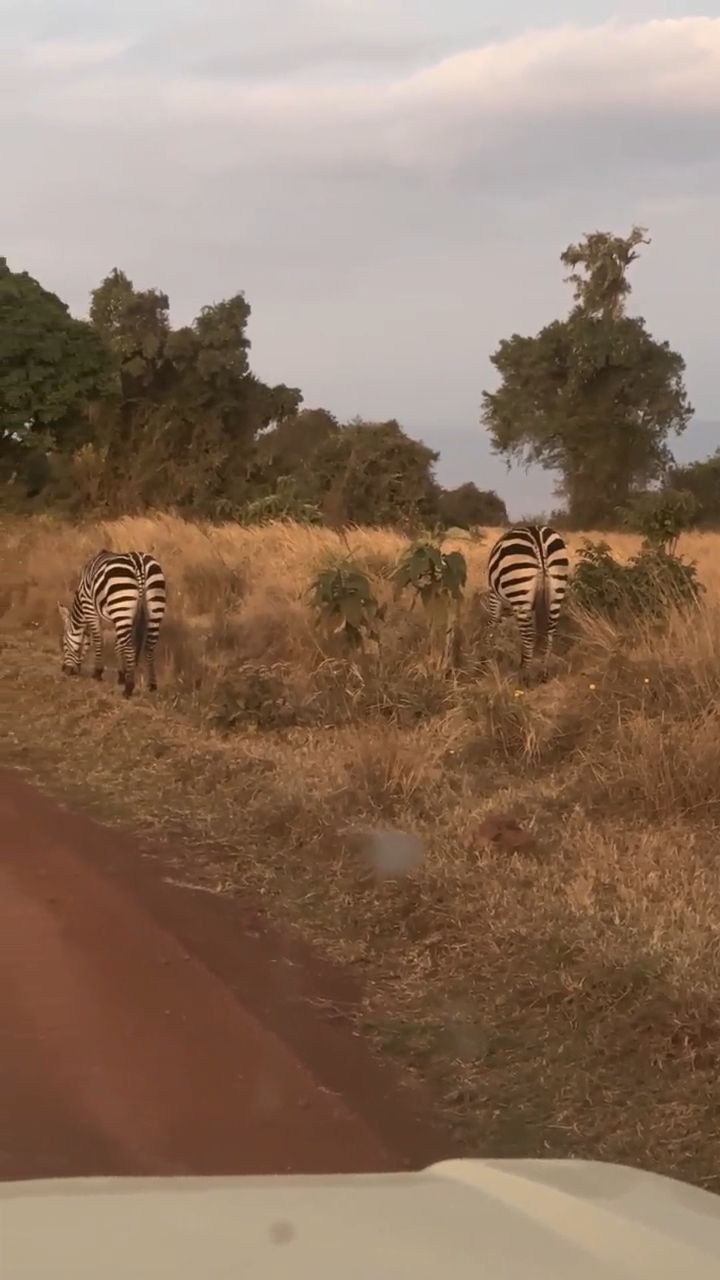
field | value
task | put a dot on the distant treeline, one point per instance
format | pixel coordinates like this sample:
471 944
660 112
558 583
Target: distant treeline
122 412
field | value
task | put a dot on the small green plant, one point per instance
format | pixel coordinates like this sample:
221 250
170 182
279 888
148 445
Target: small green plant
346 602
438 580
650 584
661 517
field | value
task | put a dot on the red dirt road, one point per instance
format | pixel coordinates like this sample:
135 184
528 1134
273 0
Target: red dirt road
149 1029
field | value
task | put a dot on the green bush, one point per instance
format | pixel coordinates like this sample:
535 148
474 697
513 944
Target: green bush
438 578
650 584
661 517
346 603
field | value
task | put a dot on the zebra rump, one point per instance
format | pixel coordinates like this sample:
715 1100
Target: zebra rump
528 572
127 590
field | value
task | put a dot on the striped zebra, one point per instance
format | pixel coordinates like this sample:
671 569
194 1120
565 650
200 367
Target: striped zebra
528 572
127 590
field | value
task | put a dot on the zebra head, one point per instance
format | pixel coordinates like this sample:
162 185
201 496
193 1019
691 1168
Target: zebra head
73 642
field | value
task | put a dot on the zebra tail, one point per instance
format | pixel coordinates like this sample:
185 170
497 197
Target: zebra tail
139 626
541 606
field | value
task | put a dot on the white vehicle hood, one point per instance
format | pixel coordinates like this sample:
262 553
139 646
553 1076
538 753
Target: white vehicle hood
485 1219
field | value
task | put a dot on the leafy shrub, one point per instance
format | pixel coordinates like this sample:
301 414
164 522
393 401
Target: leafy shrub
650 584
661 517
345 600
437 578
600 582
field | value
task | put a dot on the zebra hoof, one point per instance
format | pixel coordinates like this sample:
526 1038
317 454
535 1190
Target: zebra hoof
152 687
129 690
121 678
98 673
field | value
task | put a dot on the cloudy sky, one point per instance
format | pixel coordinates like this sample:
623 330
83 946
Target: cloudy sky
390 184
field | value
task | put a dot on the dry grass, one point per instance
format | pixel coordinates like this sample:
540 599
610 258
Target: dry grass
558 990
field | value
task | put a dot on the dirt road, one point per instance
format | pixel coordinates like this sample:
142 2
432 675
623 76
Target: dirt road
147 1028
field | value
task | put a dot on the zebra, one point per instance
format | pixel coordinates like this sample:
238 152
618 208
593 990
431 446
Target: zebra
127 590
528 572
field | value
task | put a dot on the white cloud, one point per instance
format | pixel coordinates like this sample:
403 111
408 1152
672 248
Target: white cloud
70 55
442 116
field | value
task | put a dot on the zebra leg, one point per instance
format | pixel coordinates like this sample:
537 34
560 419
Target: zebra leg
97 643
129 668
150 643
496 608
120 655
526 623
496 612
549 638
125 650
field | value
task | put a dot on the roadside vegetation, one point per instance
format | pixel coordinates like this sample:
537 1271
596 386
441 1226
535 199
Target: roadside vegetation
550 964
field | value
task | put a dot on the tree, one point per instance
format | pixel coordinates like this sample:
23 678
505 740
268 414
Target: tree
593 396
467 506
181 426
287 448
134 327
51 367
702 480
599 276
373 473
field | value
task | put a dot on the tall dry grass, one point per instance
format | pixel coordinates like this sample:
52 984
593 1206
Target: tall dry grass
552 963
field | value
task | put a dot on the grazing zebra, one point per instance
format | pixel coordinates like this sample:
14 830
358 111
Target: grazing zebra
528 574
127 590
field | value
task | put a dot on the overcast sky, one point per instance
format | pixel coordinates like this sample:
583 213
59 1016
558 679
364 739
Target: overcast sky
390 184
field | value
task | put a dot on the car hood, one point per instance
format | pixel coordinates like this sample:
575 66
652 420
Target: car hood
495 1219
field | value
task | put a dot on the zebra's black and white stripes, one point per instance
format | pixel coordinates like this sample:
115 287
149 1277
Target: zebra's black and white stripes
127 590
528 572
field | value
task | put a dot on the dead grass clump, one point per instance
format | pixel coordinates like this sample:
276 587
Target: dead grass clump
665 767
213 588
255 696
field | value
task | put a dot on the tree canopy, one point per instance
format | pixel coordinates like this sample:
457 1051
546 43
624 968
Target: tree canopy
51 367
593 396
374 473
186 408
126 412
467 507
702 480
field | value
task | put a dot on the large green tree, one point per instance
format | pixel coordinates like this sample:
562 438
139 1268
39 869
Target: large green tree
51 367
593 396
181 426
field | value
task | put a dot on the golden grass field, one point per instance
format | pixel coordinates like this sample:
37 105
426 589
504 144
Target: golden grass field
558 991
